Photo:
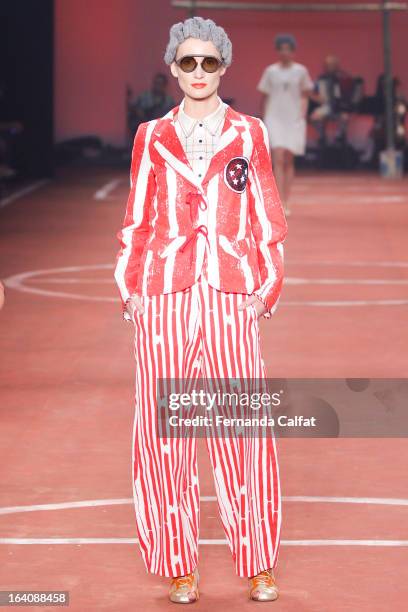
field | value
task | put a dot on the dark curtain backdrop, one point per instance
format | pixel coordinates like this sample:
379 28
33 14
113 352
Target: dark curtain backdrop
27 51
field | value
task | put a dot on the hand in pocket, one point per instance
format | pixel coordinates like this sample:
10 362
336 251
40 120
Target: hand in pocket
135 303
258 305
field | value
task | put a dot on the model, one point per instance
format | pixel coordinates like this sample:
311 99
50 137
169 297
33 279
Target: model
201 259
286 85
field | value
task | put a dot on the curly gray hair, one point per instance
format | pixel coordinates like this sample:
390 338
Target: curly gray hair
204 29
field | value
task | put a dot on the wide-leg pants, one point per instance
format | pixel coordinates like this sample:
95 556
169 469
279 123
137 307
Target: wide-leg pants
191 333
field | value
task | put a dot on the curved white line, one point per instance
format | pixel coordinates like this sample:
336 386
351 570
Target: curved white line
17 282
204 498
78 281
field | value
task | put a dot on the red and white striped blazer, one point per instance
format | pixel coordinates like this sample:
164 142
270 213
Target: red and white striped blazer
245 222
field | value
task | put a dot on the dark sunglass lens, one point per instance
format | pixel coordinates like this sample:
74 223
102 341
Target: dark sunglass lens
210 64
188 64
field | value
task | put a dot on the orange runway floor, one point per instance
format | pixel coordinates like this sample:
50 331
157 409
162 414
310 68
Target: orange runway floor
66 510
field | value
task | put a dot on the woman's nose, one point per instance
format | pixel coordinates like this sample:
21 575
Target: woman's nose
199 72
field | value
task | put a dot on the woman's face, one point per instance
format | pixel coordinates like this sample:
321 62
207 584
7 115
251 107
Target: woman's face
197 84
285 52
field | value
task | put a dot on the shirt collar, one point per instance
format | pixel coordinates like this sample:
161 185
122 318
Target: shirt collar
211 121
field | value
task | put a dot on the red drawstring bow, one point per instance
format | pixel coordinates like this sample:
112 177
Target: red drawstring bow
194 200
194 234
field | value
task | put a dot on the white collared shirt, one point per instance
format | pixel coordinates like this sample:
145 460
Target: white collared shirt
199 137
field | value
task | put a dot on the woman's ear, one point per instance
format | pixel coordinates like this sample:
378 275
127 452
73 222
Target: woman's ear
173 69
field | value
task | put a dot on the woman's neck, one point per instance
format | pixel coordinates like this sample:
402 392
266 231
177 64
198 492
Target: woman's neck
199 108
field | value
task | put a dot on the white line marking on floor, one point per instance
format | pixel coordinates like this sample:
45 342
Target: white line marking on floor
345 303
17 282
377 189
339 200
20 282
22 192
79 541
369 181
80 281
291 280
322 262
345 542
388 501
66 505
104 191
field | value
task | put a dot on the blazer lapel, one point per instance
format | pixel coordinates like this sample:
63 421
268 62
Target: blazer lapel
171 149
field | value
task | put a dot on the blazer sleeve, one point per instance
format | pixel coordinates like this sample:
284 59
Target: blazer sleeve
135 228
269 225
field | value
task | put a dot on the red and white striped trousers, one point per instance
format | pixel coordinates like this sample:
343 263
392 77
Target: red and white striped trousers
200 332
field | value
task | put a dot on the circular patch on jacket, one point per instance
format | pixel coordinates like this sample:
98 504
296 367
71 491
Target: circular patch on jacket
236 174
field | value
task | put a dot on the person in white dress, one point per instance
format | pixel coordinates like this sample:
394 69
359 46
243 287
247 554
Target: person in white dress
286 86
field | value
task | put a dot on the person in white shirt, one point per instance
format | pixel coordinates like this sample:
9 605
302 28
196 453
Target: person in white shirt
286 86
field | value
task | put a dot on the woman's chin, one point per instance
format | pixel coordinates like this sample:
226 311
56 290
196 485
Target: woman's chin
199 94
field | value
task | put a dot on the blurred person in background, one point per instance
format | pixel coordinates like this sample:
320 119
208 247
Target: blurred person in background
150 104
335 87
286 86
377 138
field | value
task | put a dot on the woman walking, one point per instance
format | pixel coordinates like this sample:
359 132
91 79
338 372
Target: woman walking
200 260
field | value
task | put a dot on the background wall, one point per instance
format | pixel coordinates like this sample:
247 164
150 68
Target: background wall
100 45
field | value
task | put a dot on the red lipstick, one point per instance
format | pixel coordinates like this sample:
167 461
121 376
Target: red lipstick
199 85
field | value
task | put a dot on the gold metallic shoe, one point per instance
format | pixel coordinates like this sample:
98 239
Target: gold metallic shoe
184 589
263 587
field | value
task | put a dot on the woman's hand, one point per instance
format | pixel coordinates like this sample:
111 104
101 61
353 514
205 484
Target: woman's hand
258 304
134 303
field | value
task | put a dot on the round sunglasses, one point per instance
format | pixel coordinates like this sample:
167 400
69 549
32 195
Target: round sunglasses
188 63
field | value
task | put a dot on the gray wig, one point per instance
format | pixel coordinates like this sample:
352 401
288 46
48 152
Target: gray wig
204 29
